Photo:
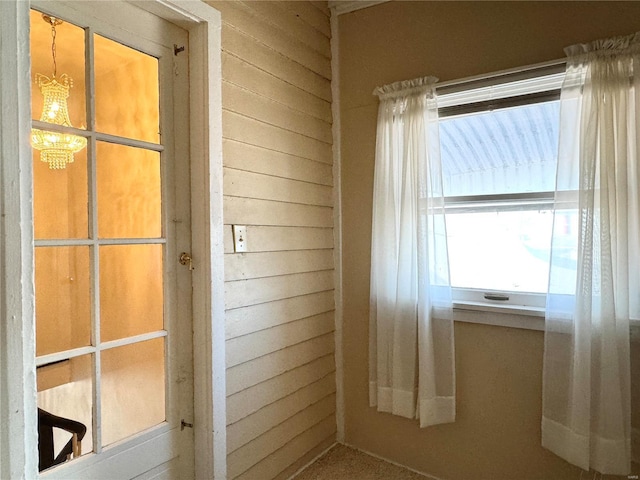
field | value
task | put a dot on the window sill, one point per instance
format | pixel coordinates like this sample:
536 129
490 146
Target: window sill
512 316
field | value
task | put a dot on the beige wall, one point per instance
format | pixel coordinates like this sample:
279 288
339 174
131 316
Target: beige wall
276 94
497 431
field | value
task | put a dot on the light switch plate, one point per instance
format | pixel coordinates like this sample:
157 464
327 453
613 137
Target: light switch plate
239 238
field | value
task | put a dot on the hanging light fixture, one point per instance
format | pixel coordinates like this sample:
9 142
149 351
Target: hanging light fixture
56 148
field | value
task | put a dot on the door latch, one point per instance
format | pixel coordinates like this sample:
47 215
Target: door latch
185 259
185 424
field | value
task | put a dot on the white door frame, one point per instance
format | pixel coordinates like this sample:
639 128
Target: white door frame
18 436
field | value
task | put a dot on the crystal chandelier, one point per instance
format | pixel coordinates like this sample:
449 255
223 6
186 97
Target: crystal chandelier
56 148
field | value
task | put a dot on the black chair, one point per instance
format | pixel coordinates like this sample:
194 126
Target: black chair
46 453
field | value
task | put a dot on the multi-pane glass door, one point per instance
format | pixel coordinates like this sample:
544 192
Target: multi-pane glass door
101 242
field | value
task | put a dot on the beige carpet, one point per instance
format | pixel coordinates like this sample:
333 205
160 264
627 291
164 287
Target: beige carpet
344 463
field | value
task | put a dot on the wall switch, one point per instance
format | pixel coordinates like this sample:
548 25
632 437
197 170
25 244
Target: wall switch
239 238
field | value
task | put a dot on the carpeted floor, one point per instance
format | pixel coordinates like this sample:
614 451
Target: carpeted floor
344 463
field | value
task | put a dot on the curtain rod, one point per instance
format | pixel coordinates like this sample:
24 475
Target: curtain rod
489 79
462 83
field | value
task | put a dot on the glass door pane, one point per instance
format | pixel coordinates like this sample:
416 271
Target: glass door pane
65 407
63 302
127 91
132 389
129 192
131 290
69 61
60 199
100 269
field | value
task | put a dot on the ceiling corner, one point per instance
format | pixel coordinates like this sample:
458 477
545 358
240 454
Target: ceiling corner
346 6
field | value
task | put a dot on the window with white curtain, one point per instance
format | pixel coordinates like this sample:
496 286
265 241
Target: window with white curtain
499 147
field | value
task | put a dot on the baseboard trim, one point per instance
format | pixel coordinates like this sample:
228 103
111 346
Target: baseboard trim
426 475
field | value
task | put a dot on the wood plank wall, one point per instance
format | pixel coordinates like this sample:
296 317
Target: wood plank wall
278 182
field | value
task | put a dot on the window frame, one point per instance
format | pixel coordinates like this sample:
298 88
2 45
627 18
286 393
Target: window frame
512 89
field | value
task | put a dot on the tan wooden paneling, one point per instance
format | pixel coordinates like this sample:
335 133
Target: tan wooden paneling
253 346
312 13
239 72
278 178
275 239
242 293
323 433
290 22
323 6
248 130
252 399
251 373
238 183
251 158
249 49
250 22
251 453
242 321
304 460
166 471
249 211
241 266
256 424
244 102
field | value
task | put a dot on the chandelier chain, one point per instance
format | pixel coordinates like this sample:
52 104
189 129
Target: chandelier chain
53 47
54 22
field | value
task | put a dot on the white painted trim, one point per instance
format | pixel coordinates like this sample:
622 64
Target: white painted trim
205 125
498 317
18 434
99 136
123 458
204 24
340 7
315 459
337 222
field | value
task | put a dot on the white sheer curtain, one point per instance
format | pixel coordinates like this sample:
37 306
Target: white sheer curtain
593 293
411 349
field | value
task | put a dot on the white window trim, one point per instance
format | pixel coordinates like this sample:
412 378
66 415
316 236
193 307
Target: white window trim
523 310
499 316
18 436
469 306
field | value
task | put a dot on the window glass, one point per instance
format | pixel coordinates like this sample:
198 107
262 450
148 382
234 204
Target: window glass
511 150
65 407
509 251
127 91
131 290
63 302
60 199
132 387
129 192
69 48
499 169
99 245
